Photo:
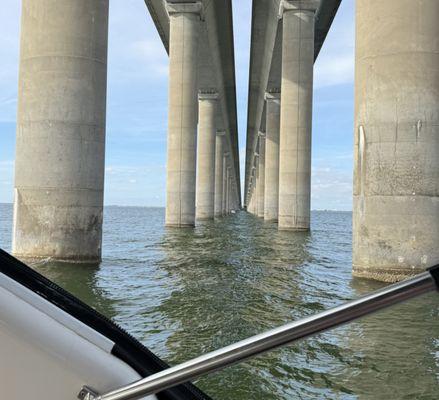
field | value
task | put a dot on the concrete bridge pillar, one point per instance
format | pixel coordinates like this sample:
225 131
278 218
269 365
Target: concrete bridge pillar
205 198
296 114
184 19
59 170
255 187
250 199
271 197
250 193
257 184
232 193
225 177
261 191
219 167
227 208
396 179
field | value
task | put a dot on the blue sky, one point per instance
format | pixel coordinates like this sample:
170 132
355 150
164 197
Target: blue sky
137 105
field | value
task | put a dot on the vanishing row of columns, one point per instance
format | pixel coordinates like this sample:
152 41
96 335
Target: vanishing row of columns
280 183
195 190
60 151
396 163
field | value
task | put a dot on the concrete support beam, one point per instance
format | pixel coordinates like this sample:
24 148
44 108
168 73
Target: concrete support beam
219 171
207 114
396 180
59 170
296 114
261 190
183 112
271 198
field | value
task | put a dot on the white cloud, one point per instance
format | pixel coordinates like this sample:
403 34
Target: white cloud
7 179
151 53
331 188
8 101
9 49
334 70
335 64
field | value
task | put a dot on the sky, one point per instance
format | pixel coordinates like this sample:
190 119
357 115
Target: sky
135 172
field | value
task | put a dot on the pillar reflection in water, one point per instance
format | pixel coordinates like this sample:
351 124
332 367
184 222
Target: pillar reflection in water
184 292
232 279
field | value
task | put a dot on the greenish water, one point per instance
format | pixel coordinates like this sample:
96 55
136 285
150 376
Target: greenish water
185 292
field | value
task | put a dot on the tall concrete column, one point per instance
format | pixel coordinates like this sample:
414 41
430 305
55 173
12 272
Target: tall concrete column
219 167
205 199
271 197
230 191
257 184
296 114
249 194
396 180
225 169
184 19
250 198
261 191
59 170
227 208
254 189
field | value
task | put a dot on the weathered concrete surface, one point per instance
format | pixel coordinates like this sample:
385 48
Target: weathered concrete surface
59 176
182 113
261 190
219 171
205 198
396 182
296 115
272 157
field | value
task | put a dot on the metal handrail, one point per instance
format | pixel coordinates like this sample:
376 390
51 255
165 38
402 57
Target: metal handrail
253 346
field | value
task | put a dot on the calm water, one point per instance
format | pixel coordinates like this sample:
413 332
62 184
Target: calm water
186 292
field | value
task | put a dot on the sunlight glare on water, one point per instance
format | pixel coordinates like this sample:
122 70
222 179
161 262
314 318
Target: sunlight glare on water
189 291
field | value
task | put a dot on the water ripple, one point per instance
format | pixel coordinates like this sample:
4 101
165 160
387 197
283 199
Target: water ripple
186 292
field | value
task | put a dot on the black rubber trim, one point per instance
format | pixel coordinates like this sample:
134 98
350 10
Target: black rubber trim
126 347
434 271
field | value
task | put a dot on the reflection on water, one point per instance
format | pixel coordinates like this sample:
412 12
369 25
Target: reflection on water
185 292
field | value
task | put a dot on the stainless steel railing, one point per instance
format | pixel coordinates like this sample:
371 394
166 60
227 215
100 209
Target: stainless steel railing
272 339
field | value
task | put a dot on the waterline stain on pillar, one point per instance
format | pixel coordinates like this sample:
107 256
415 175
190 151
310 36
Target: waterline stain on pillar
59 170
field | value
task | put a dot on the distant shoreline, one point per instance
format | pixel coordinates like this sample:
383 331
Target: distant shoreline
162 207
